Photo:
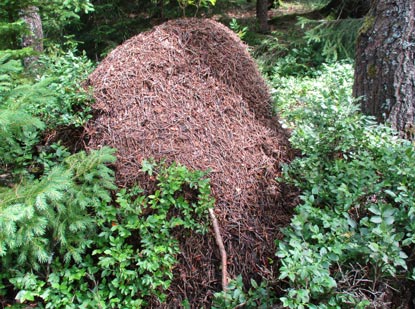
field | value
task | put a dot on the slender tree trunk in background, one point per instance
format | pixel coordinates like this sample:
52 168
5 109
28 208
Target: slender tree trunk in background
385 64
34 38
262 15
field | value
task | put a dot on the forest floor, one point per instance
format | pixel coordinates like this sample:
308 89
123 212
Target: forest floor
280 18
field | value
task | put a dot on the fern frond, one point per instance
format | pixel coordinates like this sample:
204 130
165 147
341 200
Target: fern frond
14 121
8 65
35 98
12 27
338 37
17 54
8 68
91 162
40 253
3 248
27 192
40 218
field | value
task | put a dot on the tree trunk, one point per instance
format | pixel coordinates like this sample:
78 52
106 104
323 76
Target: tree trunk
34 37
262 15
385 67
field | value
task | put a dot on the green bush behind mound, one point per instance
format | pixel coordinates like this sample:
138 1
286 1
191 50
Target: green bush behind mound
352 234
354 228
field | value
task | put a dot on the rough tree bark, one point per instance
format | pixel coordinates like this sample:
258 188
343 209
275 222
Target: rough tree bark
385 64
34 37
262 15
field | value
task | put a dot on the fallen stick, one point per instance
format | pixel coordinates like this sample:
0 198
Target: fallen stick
219 242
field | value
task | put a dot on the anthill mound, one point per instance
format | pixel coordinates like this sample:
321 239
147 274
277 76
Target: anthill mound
188 91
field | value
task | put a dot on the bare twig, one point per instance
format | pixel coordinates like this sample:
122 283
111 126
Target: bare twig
222 250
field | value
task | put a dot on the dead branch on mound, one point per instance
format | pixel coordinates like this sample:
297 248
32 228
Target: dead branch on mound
222 250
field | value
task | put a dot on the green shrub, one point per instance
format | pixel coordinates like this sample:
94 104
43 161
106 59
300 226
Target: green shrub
184 4
240 30
19 130
336 38
353 231
136 248
282 55
62 74
132 256
54 94
302 50
258 296
47 217
51 97
55 16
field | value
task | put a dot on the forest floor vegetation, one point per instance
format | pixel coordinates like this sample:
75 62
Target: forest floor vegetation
71 237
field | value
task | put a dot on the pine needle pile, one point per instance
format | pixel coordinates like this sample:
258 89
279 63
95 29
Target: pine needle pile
188 91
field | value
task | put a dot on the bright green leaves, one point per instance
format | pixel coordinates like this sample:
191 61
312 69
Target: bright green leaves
183 4
316 240
55 16
335 38
77 5
131 248
382 214
19 130
8 69
41 218
258 296
136 250
241 31
357 181
27 106
68 103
